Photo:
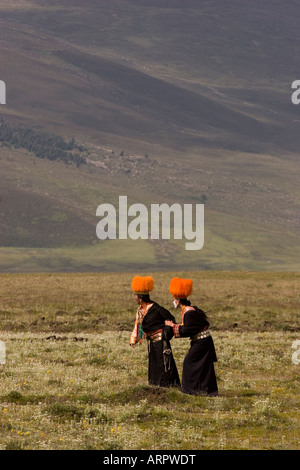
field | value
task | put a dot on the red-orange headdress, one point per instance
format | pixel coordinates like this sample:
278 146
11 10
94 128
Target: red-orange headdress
142 284
181 288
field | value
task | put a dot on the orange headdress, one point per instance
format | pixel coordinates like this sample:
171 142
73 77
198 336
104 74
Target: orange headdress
142 284
181 288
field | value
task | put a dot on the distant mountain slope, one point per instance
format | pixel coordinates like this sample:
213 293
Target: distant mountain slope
196 74
174 108
174 101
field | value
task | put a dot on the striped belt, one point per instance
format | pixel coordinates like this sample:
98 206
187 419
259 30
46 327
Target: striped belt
201 335
155 335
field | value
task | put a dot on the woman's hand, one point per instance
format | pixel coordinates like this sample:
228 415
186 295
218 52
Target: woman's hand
169 323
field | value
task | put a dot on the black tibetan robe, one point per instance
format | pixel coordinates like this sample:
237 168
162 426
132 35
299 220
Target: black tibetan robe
162 370
198 374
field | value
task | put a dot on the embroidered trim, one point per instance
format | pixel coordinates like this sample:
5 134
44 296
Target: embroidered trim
176 330
187 308
138 335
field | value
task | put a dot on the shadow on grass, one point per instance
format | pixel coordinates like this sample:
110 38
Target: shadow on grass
152 393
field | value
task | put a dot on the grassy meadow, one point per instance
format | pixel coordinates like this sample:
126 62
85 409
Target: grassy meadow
71 381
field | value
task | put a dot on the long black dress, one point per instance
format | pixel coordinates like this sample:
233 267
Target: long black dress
162 370
198 374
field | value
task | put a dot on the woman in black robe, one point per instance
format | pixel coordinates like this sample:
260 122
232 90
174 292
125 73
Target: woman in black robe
198 374
150 324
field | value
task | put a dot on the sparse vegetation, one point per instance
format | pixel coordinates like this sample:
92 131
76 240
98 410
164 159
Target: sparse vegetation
72 382
41 144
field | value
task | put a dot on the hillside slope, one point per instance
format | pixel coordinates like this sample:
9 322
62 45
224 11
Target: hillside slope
174 102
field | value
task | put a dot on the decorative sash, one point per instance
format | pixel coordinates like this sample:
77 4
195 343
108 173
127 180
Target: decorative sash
155 336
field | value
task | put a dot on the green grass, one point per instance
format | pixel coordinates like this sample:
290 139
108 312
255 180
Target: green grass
49 220
46 404
71 381
55 395
66 303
